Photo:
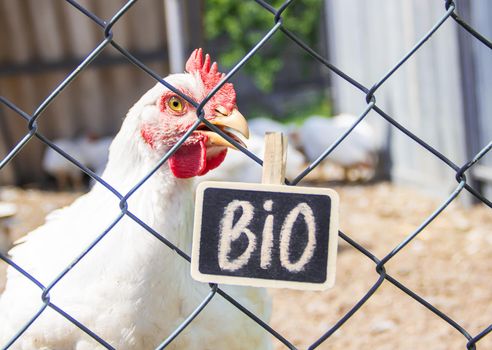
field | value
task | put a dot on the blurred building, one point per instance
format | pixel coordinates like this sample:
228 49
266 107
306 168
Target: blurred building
442 93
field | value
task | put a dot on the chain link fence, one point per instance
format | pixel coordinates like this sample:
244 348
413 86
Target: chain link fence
368 93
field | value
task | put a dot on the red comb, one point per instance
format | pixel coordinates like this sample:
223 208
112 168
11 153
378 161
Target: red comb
226 96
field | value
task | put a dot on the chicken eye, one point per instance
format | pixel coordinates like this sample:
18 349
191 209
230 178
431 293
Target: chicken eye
175 104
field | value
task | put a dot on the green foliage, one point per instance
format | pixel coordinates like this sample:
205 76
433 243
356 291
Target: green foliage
242 23
296 113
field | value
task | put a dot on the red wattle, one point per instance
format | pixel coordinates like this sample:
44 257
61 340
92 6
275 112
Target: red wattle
189 160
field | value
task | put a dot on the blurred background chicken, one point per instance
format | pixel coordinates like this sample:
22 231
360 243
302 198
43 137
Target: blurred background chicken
355 159
89 150
239 167
7 211
356 156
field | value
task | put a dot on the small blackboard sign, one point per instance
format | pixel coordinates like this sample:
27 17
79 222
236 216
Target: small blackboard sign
265 235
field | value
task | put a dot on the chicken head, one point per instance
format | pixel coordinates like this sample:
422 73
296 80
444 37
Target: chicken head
166 117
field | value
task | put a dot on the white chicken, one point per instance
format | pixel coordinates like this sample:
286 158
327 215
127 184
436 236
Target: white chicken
356 152
131 289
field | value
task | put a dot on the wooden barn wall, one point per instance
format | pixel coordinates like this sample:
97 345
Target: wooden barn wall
427 95
44 33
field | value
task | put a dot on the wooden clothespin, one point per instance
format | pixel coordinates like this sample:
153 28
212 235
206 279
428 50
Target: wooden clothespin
274 159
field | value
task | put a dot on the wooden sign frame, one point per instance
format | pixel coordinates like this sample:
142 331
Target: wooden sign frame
262 282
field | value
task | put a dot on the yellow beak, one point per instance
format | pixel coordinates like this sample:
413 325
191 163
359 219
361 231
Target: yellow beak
234 121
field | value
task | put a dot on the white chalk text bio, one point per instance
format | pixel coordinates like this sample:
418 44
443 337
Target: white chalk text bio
230 231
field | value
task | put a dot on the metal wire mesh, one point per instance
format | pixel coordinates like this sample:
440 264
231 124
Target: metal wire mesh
369 94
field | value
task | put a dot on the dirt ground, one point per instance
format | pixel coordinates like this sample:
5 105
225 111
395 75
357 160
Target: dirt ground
449 264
